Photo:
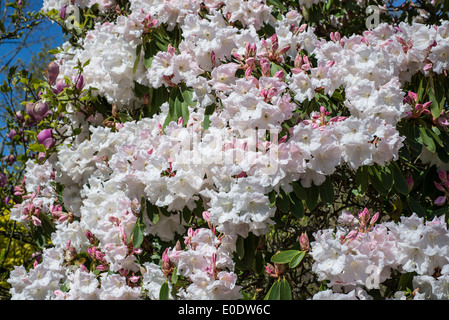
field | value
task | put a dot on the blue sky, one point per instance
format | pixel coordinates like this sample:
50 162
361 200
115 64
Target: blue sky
46 32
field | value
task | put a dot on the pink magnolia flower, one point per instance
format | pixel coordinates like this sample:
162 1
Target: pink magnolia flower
45 137
37 111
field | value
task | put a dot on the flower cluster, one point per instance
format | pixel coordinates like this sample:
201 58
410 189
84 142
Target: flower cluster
205 262
361 255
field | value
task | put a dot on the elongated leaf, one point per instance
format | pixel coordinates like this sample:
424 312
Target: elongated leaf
250 244
299 190
327 191
283 202
284 256
295 261
285 290
428 141
386 177
406 281
362 179
136 61
296 206
138 234
275 292
415 207
436 95
400 183
311 194
376 180
164 293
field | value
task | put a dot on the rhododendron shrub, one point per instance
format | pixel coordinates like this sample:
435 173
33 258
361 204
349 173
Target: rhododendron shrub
237 150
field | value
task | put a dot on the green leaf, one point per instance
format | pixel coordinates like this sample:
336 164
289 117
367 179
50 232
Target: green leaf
277 4
376 180
311 195
362 179
421 89
285 290
283 201
187 94
178 106
327 191
296 206
250 244
400 182
275 292
295 261
164 293
174 276
259 262
136 61
138 236
428 141
37 147
415 207
436 95
386 177
284 256
150 50
298 190
406 281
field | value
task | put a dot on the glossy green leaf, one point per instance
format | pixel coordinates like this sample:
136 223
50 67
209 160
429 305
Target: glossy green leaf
296 260
428 141
415 207
311 195
362 179
327 191
285 290
296 206
275 292
284 256
164 293
400 182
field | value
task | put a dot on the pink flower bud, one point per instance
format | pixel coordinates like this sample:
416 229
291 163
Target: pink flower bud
280 75
428 67
3 179
37 111
206 216
60 85
410 182
265 65
374 218
284 49
63 12
442 175
11 134
45 137
52 72
439 186
440 200
351 235
364 216
236 56
79 82
102 267
171 49
304 242
36 221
